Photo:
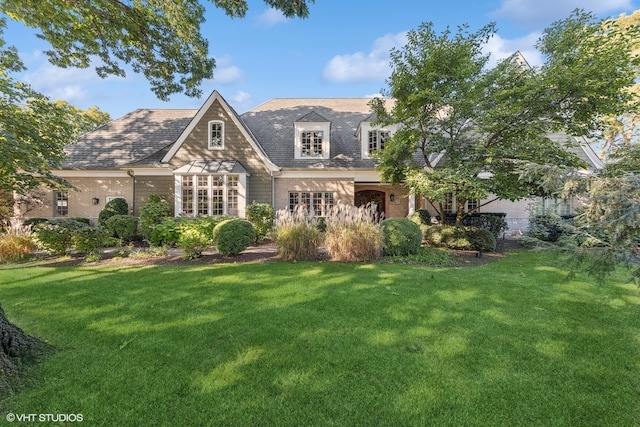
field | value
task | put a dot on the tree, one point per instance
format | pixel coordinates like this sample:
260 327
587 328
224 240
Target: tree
160 39
34 129
489 127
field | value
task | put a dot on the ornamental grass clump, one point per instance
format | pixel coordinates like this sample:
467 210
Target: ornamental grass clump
16 243
353 233
297 236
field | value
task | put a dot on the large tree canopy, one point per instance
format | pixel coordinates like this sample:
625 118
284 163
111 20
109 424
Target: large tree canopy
489 127
158 38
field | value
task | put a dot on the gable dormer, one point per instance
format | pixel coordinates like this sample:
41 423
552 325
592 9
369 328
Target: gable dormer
312 137
373 138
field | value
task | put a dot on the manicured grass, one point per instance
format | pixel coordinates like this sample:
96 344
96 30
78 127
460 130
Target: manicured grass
510 343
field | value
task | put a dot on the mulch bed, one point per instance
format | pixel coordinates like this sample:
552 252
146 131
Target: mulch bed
254 254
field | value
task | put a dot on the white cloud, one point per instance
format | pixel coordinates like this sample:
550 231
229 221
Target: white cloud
225 72
271 17
359 66
536 13
69 84
500 48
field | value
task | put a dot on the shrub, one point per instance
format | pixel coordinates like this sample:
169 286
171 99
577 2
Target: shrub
16 244
89 240
261 215
152 213
548 228
232 236
402 237
463 237
421 217
123 227
193 241
353 234
491 221
117 206
297 236
56 236
35 221
167 232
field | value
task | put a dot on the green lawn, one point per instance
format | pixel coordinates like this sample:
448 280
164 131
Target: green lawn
505 344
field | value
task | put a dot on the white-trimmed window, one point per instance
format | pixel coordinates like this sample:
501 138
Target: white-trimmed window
61 203
312 140
320 202
216 135
210 195
372 138
377 139
311 144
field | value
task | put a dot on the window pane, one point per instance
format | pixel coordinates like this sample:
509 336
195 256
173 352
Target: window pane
384 135
216 135
294 201
62 203
305 200
203 201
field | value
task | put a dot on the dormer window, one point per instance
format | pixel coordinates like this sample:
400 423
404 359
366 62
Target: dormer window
377 139
311 144
216 135
312 137
372 138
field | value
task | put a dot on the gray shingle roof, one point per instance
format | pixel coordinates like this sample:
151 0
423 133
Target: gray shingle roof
272 123
139 138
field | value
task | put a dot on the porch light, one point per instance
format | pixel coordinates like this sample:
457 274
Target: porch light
96 201
392 197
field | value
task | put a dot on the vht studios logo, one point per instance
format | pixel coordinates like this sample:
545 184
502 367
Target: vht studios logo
43 418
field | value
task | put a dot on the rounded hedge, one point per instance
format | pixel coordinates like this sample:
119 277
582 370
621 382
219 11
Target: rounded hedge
122 226
402 237
233 236
463 237
117 206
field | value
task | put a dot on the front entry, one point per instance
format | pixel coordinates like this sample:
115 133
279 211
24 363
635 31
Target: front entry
371 196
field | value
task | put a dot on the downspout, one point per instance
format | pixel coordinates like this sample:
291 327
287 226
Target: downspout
133 199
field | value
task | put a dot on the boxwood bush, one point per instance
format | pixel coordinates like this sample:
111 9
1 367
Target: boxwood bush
402 237
123 227
117 206
463 237
233 236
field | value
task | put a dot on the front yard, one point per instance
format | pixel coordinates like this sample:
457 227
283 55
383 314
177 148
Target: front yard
319 343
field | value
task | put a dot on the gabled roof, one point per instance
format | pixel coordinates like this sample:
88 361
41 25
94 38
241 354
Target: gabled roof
132 139
215 96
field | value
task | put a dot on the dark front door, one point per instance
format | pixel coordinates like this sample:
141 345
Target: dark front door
371 196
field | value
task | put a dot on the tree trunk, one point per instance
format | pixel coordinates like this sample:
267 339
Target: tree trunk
16 347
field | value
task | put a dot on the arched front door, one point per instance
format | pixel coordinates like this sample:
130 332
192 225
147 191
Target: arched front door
371 196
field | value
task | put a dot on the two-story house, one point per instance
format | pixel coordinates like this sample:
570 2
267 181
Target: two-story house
213 161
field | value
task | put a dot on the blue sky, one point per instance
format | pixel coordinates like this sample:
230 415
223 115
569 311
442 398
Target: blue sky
341 50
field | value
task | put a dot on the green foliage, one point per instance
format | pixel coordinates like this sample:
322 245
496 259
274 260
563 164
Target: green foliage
34 129
493 222
402 237
160 39
493 123
421 217
548 228
353 233
167 232
461 237
193 241
233 236
123 227
296 234
117 206
89 240
152 213
261 215
56 236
